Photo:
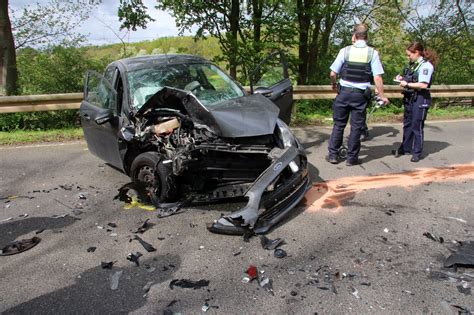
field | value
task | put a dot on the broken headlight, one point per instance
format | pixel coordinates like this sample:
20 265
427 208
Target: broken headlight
286 136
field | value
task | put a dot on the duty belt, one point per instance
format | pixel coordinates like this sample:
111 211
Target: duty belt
351 89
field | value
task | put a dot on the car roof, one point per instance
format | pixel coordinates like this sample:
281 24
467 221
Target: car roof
142 62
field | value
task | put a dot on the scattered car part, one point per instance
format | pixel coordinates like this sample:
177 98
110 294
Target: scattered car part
463 257
134 258
107 265
252 272
434 237
270 244
188 284
17 247
279 253
267 284
114 281
148 247
144 227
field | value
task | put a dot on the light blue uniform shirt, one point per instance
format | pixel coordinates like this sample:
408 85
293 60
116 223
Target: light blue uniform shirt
425 71
375 64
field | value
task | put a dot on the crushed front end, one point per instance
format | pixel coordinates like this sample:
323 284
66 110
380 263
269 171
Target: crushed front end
203 160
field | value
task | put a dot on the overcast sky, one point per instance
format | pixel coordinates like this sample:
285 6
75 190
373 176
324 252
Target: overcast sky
106 13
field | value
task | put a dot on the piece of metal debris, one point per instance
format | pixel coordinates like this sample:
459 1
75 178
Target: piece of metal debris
463 257
134 258
279 253
148 247
434 237
267 284
188 284
114 281
106 264
270 244
144 227
17 247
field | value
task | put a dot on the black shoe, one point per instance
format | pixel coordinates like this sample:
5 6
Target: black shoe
352 162
398 153
415 159
364 136
332 160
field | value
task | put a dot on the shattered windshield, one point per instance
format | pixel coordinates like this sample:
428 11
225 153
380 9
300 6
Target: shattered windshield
206 81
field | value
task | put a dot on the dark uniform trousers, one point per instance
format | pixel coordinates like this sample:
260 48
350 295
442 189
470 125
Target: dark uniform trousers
353 103
416 109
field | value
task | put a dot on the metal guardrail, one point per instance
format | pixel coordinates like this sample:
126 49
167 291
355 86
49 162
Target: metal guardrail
36 103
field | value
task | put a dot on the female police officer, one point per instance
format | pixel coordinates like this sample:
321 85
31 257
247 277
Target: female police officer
416 80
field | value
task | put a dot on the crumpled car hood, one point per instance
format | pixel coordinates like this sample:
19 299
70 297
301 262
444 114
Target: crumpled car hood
246 116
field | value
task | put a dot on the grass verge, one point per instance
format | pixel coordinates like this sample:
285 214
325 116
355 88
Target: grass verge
32 136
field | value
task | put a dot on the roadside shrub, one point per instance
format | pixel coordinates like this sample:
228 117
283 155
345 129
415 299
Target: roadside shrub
39 120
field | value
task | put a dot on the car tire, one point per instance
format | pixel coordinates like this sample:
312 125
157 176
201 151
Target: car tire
148 171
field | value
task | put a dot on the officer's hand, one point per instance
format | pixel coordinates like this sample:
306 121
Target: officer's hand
385 100
334 86
403 83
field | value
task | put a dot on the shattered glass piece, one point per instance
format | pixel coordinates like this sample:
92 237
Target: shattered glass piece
279 253
409 292
386 230
148 247
17 247
188 284
166 210
464 288
464 256
91 249
434 237
205 307
82 196
144 227
355 292
59 216
267 284
246 279
134 258
270 244
252 272
106 265
113 234
114 281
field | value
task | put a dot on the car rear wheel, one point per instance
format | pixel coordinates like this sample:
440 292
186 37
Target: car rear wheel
148 171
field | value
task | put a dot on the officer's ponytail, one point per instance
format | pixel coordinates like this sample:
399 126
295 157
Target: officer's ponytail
426 53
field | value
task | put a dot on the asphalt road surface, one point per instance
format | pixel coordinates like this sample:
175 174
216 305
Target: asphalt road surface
355 245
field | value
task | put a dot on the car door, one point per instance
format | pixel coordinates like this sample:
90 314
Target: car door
99 119
270 78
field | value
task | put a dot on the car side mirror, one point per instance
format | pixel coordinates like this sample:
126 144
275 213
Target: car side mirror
104 116
264 91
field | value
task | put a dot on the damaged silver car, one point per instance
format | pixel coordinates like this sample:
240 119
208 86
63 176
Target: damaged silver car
181 127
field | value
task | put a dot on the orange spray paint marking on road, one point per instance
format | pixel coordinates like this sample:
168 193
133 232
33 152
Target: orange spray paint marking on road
333 193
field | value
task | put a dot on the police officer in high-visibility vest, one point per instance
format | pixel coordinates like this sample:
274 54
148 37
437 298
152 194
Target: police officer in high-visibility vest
416 81
357 66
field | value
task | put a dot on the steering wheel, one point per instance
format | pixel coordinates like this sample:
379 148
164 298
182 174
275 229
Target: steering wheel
193 86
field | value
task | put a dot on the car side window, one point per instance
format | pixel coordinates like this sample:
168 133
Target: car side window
99 91
270 71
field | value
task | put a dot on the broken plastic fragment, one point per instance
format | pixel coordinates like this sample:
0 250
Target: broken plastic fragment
148 247
267 284
144 227
91 249
106 265
434 237
114 282
205 307
134 258
112 225
187 284
270 244
17 247
252 272
464 256
279 253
